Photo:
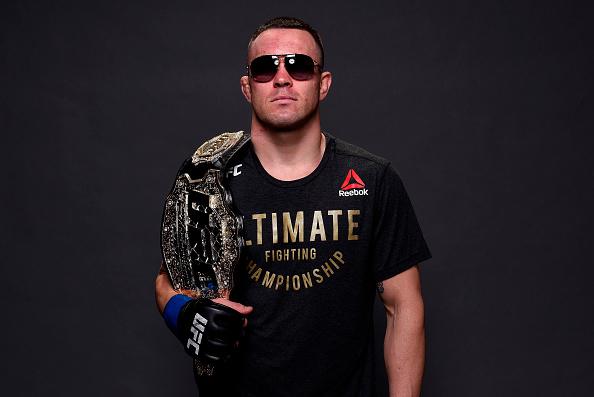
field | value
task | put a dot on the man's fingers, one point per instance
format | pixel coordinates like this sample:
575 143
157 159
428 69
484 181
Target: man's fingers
188 292
245 310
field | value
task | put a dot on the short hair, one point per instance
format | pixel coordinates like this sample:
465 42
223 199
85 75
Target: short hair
290 23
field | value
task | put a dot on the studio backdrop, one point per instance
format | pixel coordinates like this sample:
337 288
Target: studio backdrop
484 108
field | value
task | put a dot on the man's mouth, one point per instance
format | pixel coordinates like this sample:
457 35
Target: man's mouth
283 98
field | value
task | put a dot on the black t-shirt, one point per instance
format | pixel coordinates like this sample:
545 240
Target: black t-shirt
315 249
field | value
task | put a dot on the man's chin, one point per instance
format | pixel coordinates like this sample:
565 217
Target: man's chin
284 125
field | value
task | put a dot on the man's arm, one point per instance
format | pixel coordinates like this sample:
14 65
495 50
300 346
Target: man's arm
163 289
404 343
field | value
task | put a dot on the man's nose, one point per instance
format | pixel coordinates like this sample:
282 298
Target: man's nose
282 78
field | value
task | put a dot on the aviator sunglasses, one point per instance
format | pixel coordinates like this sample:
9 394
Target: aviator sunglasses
299 66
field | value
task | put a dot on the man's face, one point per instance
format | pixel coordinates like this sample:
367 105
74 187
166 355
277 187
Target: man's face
285 103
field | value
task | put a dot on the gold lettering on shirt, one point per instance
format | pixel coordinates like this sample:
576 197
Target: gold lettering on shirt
268 279
290 254
353 224
274 228
334 263
307 280
318 276
256 275
327 269
267 227
296 281
317 227
335 214
338 256
295 231
258 218
299 281
279 281
251 266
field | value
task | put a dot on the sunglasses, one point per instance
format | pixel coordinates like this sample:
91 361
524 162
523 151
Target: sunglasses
300 67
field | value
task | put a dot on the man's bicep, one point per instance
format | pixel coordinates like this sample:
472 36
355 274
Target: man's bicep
402 288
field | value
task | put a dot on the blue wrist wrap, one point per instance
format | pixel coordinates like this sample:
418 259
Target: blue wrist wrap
172 309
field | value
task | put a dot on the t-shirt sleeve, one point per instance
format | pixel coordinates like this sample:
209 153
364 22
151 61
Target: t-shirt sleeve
399 242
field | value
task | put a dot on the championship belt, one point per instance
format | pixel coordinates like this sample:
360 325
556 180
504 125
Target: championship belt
201 235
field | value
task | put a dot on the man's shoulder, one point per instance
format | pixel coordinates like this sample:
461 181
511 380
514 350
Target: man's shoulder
359 154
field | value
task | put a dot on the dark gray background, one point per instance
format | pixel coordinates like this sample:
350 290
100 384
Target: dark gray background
485 108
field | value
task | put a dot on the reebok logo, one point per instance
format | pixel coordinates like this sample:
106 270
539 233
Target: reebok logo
197 331
353 185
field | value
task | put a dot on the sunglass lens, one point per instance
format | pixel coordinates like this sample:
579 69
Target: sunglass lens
263 68
300 67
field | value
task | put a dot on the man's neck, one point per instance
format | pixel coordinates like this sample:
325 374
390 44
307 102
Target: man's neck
289 155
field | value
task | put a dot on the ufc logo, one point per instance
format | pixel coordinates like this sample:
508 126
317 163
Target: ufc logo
235 170
197 331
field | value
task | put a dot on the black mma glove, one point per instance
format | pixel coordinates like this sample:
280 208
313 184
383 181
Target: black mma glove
208 330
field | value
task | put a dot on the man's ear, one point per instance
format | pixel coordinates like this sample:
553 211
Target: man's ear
325 83
245 88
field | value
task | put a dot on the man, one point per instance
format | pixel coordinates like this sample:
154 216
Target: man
326 225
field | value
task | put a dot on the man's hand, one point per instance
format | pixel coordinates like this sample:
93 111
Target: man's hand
207 328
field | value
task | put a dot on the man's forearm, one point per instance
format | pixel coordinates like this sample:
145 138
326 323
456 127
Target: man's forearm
163 289
404 350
